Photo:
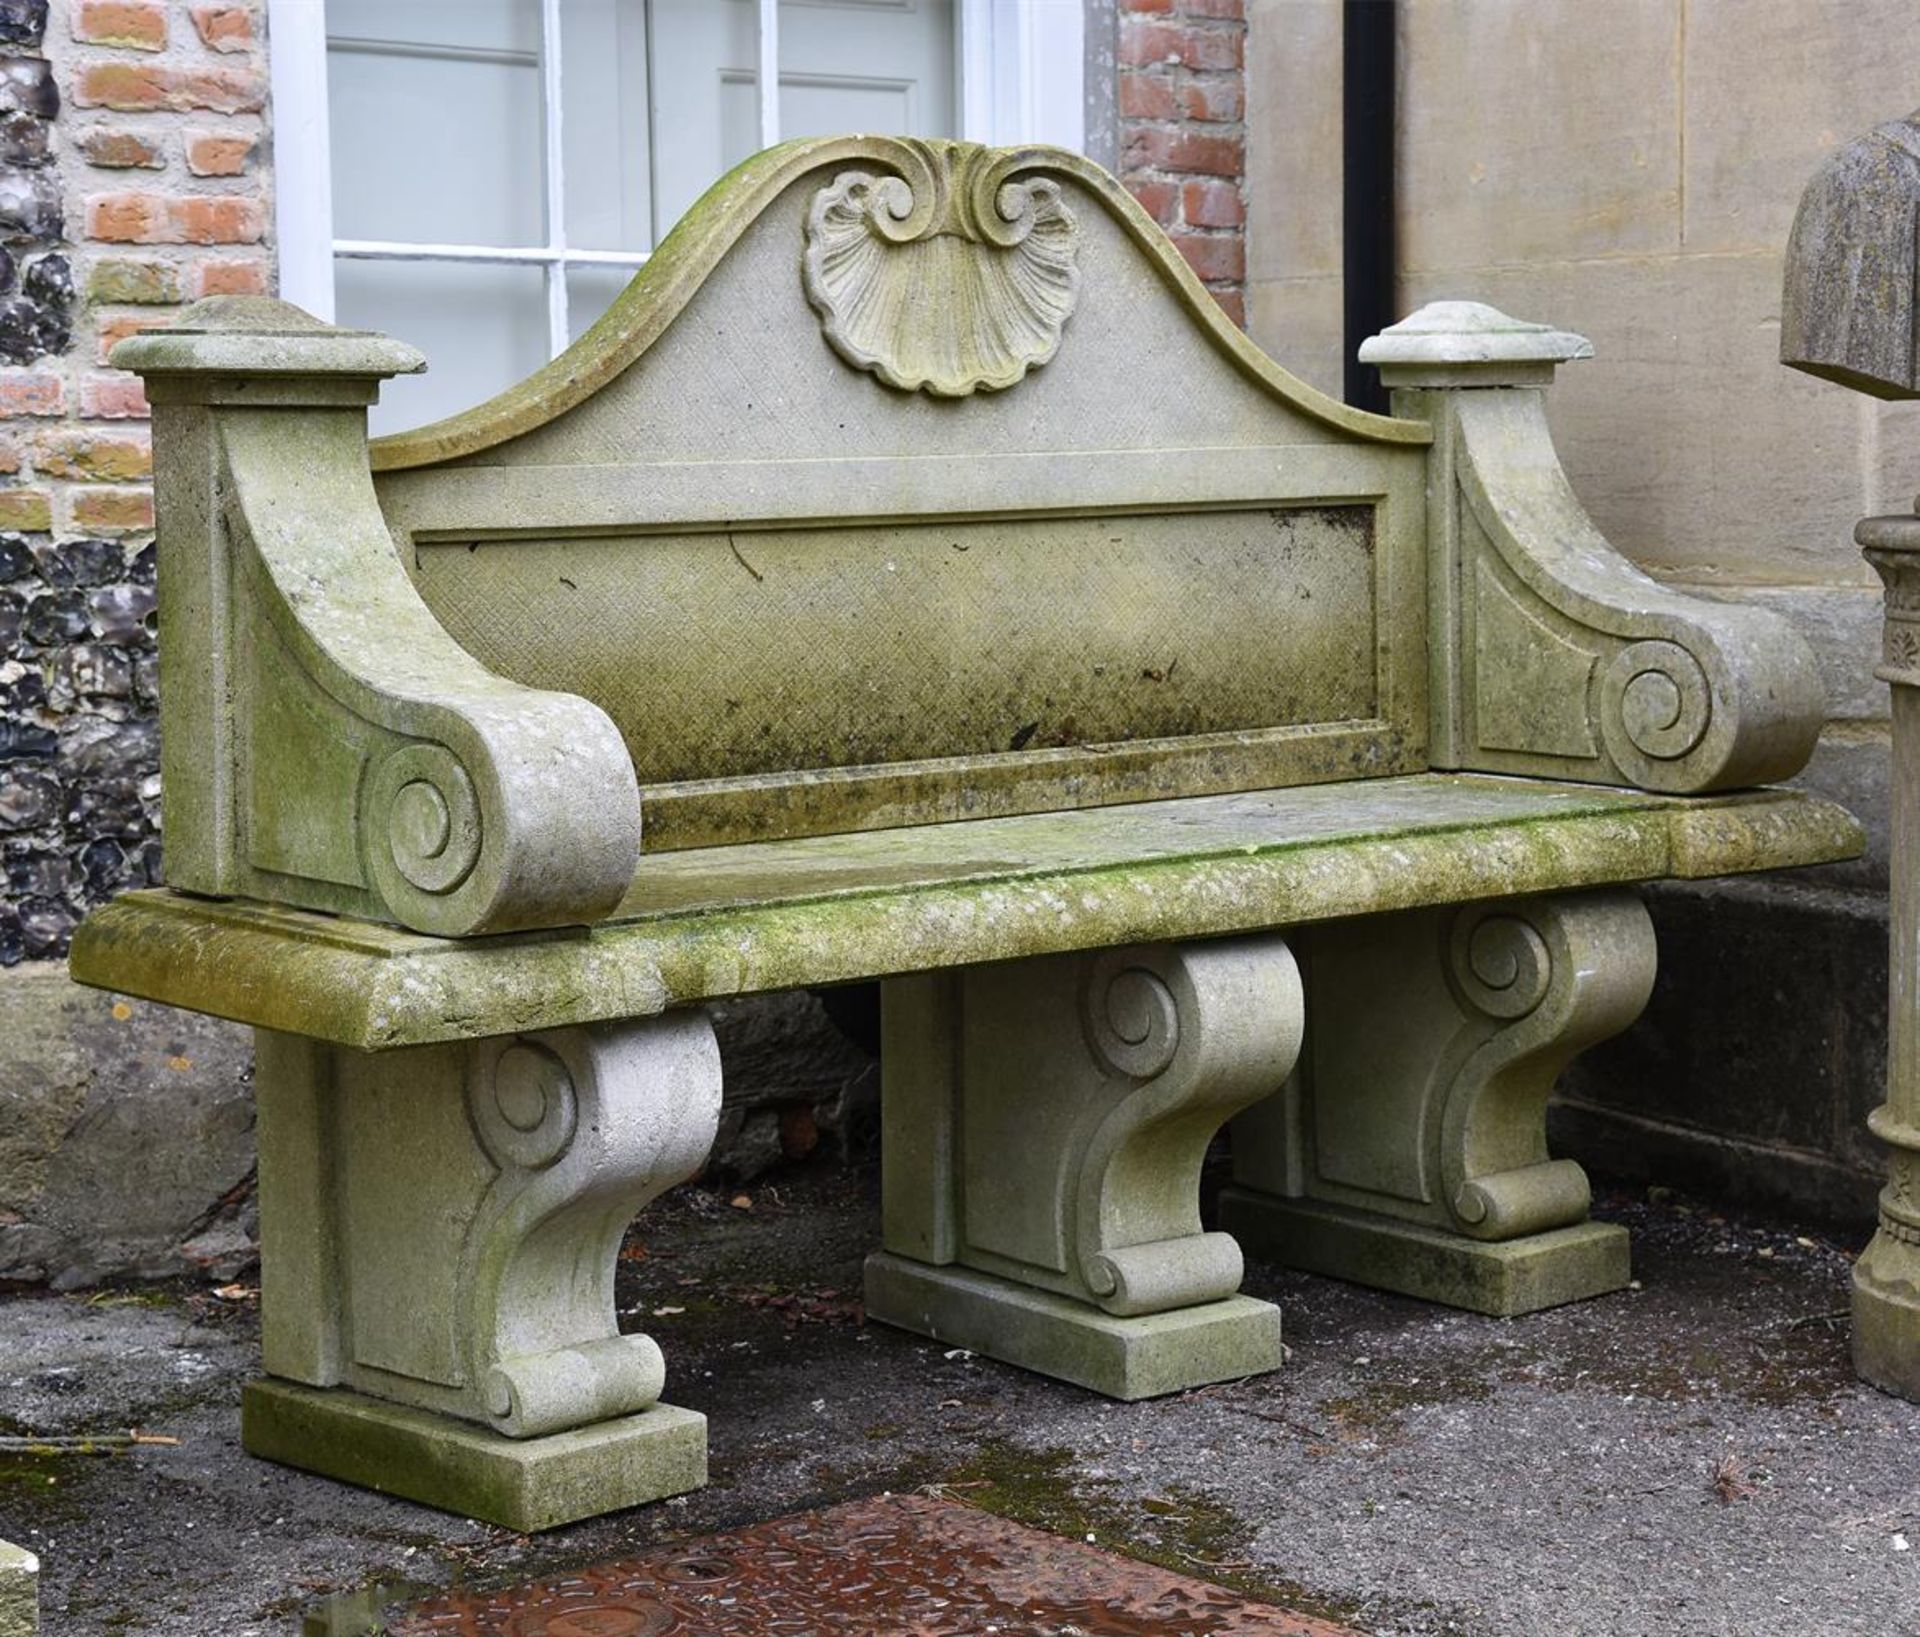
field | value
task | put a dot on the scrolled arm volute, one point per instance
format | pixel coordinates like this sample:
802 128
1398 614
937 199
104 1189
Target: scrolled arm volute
1551 653
326 742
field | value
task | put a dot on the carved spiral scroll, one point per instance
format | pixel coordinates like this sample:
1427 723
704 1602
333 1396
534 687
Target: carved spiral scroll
1132 1019
526 1110
423 820
1655 704
1501 964
951 277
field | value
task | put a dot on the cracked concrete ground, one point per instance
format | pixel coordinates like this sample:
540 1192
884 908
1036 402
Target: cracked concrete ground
1689 1457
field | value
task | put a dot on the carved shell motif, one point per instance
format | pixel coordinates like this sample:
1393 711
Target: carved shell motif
950 277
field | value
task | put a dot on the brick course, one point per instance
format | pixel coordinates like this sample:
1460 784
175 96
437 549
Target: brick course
1181 99
129 136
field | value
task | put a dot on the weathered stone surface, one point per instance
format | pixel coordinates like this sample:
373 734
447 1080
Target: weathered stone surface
941 295
392 711
1468 343
125 1131
1562 659
1125 1358
1418 1122
533 820
1695 454
1850 312
19 1591
469 1269
522 1484
741 920
1506 1278
1090 1193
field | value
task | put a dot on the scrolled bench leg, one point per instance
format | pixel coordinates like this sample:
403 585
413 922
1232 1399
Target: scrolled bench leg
1410 1151
439 1230
1045 1122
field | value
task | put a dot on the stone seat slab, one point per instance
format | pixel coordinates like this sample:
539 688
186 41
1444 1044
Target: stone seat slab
712 923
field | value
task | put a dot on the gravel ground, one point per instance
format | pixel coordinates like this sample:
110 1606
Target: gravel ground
1692 1456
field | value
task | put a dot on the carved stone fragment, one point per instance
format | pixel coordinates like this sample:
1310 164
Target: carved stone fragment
952 276
1850 311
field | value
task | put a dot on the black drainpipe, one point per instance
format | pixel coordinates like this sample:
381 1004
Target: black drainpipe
1367 137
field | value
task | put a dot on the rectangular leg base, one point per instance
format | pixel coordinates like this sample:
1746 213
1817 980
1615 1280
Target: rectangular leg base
1057 1336
1503 1278
525 1484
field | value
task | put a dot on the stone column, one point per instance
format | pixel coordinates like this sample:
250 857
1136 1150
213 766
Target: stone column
1886 1279
1849 313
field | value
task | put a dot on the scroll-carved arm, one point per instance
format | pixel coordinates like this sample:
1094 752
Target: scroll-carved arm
327 743
1552 654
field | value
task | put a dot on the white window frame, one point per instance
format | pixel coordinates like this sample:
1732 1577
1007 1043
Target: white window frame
1021 80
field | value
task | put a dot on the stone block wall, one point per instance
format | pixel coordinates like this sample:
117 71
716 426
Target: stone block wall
1180 97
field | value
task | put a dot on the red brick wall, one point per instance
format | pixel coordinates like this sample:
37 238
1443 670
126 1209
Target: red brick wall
162 128
1181 100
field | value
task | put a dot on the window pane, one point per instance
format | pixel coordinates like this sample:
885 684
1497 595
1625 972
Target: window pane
436 124
482 328
590 292
608 146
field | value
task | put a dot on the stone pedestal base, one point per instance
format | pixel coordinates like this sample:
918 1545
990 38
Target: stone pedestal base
1503 1277
1886 1315
526 1484
1124 1358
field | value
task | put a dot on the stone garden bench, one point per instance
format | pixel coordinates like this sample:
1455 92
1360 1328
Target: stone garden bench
961 601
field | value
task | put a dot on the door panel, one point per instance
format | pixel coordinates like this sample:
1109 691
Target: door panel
885 66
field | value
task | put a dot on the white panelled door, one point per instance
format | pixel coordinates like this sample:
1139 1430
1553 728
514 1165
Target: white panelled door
497 169
885 67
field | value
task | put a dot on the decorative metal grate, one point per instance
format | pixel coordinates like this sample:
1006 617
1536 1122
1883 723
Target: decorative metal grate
893 1566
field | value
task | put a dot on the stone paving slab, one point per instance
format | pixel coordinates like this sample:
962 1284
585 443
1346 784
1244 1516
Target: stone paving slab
1692 1457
